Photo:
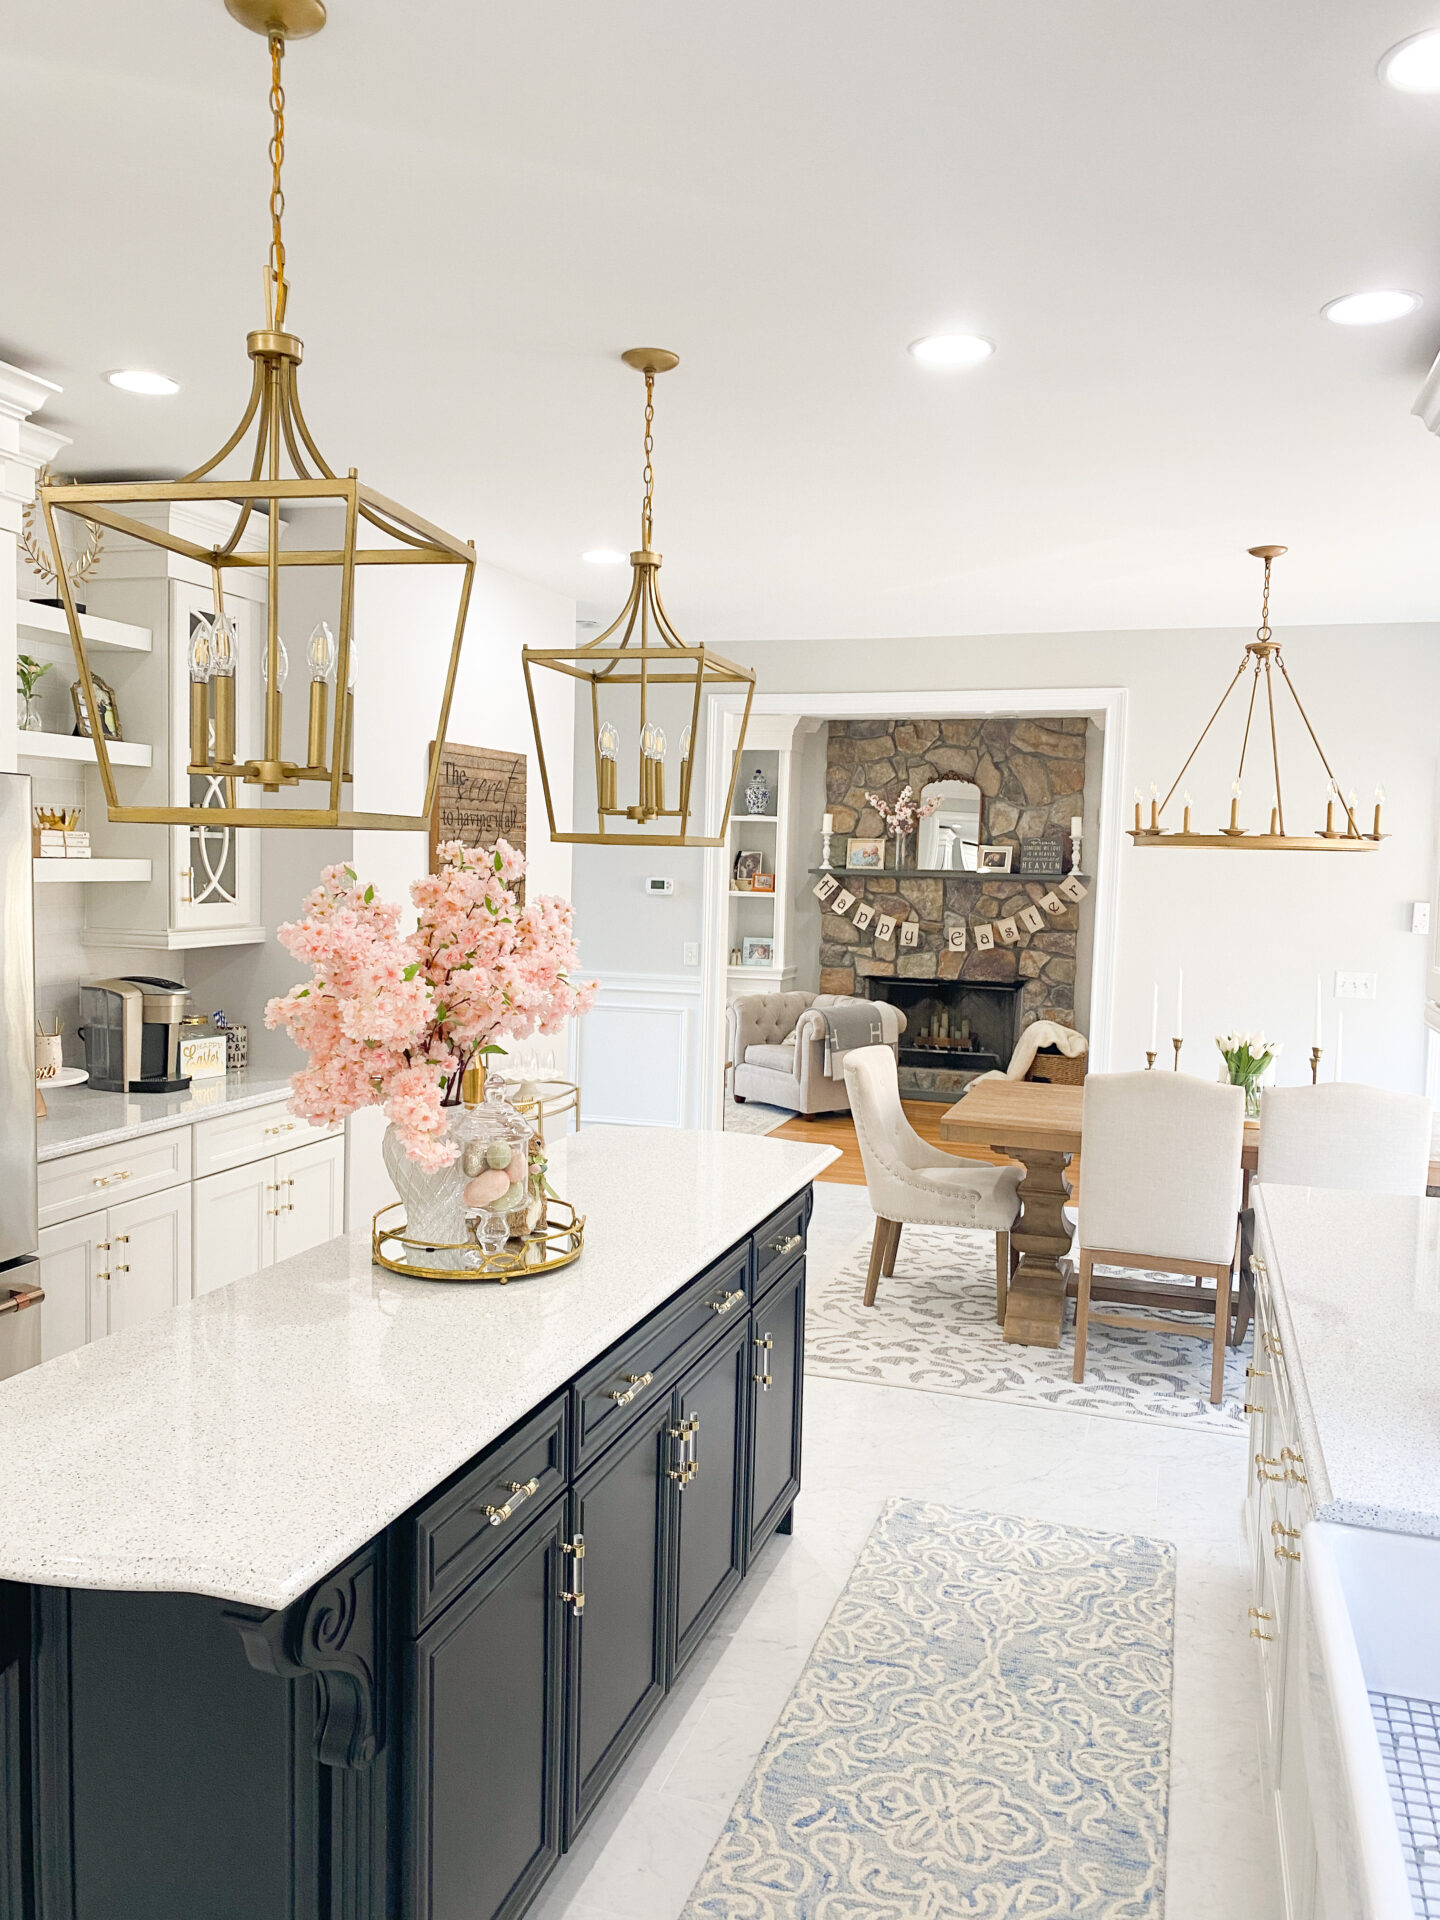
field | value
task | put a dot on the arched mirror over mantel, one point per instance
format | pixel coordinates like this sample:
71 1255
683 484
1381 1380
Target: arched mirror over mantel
950 836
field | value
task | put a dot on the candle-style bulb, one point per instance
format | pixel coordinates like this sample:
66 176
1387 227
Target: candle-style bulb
685 744
282 670
222 647
321 653
609 742
199 651
657 743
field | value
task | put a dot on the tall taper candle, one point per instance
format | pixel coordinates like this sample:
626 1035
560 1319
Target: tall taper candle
1155 1017
1339 1044
1319 1035
1179 1033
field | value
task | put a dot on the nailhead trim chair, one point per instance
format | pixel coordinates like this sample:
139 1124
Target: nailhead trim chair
775 1043
912 1183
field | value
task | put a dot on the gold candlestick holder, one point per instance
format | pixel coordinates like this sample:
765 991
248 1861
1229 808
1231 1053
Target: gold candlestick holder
1315 1054
1149 1059
1177 1044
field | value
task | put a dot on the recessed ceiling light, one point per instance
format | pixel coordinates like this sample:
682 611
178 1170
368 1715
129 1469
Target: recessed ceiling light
1370 309
1414 66
136 380
603 557
951 350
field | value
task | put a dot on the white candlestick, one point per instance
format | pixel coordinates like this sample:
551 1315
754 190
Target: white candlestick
1318 1025
1179 1033
1155 1018
1339 1044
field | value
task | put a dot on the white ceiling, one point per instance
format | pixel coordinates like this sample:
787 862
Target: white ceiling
1144 206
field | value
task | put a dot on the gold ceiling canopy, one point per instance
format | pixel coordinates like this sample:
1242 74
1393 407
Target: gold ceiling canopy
1262 659
281 467
641 650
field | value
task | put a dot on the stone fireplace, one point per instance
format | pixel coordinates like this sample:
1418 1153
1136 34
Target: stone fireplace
1032 774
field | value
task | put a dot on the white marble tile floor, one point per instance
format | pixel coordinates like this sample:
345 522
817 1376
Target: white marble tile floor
647 1843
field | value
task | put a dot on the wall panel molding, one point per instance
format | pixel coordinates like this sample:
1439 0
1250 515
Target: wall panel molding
636 1051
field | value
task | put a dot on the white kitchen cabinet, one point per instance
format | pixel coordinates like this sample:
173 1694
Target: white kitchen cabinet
110 1270
74 1276
252 1216
149 1257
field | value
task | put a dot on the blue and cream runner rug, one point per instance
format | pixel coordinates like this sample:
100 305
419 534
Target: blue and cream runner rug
981 1731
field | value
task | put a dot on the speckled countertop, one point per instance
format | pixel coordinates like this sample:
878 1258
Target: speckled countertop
244 1444
1355 1280
79 1117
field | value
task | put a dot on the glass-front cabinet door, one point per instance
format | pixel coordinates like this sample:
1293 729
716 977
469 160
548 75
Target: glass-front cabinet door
214 872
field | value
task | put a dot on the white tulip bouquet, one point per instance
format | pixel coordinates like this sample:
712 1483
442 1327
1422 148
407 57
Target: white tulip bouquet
1246 1057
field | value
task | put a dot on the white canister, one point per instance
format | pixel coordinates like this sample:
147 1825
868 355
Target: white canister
48 1057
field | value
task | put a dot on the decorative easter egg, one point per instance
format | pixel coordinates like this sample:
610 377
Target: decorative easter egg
486 1188
518 1164
472 1157
514 1197
498 1153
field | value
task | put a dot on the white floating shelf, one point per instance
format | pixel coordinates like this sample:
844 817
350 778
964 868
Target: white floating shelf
74 746
68 871
106 636
757 819
749 893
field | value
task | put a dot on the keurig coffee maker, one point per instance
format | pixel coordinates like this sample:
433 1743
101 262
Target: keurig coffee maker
131 1030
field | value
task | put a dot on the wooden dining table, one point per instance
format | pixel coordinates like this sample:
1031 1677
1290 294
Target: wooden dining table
1040 1125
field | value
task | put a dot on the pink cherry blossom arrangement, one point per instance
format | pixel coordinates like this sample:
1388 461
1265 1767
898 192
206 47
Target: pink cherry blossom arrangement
393 1020
904 812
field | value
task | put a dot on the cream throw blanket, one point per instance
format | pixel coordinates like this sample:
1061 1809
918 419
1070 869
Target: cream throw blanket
1040 1033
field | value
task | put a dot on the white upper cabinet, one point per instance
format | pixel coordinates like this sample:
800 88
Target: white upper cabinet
204 889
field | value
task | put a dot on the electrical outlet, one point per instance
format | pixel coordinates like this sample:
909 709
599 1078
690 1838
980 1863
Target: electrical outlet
1355 986
692 953
1420 916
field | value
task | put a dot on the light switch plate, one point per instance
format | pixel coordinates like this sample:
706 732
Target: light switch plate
1420 916
692 953
1355 986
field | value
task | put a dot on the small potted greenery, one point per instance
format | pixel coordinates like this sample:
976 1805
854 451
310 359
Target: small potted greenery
29 672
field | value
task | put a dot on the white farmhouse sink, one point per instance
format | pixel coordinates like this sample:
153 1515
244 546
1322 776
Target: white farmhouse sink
1370 1647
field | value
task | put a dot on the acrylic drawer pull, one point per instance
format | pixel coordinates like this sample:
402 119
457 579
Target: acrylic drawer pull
1256 1373
622 1396
687 1464
727 1301
1258 1267
788 1245
1284 1533
1256 1634
1258 1613
519 1491
1250 1407
110 1179
1294 1461
766 1345
1262 1461
574 1598
286 1126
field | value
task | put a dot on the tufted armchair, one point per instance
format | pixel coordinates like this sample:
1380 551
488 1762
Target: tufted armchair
775 1043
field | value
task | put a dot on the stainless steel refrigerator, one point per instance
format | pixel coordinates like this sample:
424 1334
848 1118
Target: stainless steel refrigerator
20 1292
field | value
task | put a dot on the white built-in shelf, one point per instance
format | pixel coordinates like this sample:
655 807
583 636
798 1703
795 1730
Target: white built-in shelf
751 819
106 636
54 872
75 746
749 893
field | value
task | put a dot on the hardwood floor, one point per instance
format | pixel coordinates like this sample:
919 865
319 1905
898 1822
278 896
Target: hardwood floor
838 1130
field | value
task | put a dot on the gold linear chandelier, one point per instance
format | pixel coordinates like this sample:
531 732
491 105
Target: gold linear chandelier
641 651
1262 660
283 468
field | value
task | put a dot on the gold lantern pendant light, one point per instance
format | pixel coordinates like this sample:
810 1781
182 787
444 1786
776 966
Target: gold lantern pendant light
1262 660
641 650
283 467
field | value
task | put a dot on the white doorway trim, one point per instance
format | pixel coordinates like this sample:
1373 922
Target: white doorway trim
1108 704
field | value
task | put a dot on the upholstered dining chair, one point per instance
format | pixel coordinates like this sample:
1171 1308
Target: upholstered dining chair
1161 1191
912 1183
1339 1135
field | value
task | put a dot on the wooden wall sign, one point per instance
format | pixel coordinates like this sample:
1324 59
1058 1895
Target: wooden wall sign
480 798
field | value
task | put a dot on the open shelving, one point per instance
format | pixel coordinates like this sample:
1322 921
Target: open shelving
58 872
37 622
76 746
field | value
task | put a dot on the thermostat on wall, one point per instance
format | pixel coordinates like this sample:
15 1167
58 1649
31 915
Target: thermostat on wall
659 886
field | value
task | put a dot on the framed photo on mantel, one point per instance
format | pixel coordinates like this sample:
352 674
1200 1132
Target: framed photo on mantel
480 798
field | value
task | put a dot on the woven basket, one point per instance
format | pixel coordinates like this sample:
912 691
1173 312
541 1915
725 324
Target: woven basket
1060 1069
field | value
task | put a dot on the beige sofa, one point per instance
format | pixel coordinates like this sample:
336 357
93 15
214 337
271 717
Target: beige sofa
776 1049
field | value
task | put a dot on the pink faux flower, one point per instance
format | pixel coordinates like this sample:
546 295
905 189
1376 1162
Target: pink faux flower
393 1020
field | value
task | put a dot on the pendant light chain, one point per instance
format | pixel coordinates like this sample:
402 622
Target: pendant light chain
647 511
276 288
1262 632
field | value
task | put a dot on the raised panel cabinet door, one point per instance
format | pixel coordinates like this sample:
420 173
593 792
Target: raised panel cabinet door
777 1378
235 1218
709 1505
149 1257
620 1510
74 1274
310 1197
487 1736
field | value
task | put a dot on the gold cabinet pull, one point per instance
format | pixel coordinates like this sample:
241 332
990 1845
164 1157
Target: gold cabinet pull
187 892
1258 1267
1262 1461
1249 1407
110 1179
1271 1344
622 1396
121 1266
1284 1553
519 1491
727 1301
687 1461
1258 1613
285 1126
766 1346
1256 1373
1284 1533
1294 1460
788 1245
574 1597
1255 1633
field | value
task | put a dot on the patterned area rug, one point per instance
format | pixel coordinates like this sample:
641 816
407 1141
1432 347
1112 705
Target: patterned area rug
754 1117
933 1327
982 1729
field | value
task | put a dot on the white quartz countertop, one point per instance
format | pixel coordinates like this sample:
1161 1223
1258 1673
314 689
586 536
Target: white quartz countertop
244 1444
1355 1279
80 1117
